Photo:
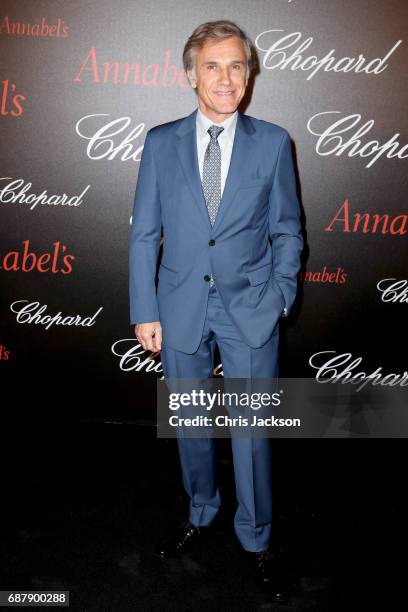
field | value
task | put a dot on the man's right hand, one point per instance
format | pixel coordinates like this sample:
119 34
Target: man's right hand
149 335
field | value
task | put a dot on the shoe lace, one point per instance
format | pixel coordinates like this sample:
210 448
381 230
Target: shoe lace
263 557
188 529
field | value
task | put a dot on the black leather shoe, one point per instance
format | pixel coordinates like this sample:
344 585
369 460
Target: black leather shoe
267 574
181 539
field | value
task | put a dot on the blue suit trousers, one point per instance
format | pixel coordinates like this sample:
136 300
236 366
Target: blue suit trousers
251 456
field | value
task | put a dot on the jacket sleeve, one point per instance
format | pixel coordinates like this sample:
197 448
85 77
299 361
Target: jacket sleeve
145 240
284 225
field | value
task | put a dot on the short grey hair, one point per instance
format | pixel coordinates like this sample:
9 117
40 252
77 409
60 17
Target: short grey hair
217 30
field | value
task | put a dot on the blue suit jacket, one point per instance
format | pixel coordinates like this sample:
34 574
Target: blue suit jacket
255 277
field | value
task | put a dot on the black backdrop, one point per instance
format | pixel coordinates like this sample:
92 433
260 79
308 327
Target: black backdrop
82 82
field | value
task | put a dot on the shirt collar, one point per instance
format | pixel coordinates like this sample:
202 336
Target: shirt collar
203 123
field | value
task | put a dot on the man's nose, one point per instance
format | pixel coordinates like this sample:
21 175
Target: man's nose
225 76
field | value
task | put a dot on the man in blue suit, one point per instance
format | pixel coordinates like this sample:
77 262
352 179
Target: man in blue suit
222 187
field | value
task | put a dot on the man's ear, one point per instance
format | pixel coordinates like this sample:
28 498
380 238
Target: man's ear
191 79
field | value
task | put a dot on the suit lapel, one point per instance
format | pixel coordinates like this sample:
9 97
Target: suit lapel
242 150
186 145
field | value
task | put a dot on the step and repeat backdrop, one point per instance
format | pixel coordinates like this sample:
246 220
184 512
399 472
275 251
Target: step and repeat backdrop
82 82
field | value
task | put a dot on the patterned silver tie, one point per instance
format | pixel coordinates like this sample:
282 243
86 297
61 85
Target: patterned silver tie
212 175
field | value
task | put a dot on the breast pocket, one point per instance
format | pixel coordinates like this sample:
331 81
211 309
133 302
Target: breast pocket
248 182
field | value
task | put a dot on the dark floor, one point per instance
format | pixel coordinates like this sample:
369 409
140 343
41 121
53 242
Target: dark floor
84 508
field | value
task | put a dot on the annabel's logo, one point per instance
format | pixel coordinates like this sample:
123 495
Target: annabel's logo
55 260
19 28
157 74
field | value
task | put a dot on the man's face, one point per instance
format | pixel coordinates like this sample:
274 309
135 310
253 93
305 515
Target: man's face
221 77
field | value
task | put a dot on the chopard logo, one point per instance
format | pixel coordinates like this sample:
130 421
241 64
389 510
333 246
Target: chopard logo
101 143
336 139
134 358
15 192
343 368
288 52
33 312
393 290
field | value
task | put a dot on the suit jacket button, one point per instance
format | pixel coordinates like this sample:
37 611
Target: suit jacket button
207 278
211 242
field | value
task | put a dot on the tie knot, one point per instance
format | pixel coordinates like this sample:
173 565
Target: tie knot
214 131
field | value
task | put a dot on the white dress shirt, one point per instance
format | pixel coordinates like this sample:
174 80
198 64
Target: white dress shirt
225 139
